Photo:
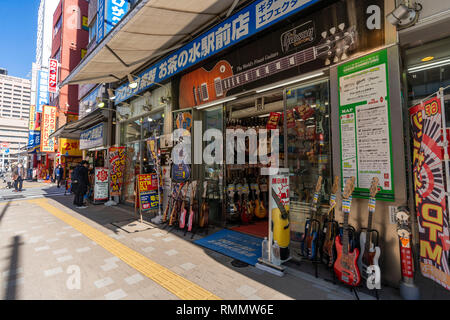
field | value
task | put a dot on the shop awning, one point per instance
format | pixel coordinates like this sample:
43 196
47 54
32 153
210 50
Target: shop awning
72 130
150 30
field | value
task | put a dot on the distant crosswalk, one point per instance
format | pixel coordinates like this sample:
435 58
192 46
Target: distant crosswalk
9 195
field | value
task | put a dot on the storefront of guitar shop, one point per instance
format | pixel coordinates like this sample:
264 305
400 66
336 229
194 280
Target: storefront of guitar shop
330 87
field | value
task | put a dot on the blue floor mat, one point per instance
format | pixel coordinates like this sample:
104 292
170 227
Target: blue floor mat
234 244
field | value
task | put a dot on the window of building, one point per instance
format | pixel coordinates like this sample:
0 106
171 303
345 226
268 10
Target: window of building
57 26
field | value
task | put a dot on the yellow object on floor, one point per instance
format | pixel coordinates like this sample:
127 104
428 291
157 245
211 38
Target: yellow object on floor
179 286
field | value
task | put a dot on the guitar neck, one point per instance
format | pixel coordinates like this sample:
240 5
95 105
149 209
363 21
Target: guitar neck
369 227
269 69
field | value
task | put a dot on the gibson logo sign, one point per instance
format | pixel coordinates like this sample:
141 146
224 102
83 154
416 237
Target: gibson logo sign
297 37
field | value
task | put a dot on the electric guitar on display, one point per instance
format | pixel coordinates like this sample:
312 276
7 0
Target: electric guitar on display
191 206
369 252
175 210
312 225
260 210
204 211
171 202
331 228
245 209
201 86
184 212
346 266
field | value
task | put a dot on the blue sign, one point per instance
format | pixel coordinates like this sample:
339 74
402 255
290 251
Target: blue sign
92 137
115 10
42 94
34 139
100 20
245 23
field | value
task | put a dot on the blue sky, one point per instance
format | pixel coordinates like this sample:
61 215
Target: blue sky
18 25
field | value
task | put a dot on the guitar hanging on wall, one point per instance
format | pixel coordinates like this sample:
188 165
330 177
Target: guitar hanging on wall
202 86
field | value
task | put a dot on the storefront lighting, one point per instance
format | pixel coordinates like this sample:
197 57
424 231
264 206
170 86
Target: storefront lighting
88 110
215 103
101 104
264 115
291 82
132 84
150 119
429 65
111 94
426 59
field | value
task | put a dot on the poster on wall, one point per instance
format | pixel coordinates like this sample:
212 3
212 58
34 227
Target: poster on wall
148 191
117 167
364 124
429 189
299 47
101 184
47 128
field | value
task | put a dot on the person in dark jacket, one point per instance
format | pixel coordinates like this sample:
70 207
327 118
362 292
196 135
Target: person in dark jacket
80 183
58 175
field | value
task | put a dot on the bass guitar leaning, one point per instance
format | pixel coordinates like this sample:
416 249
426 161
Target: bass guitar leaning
346 267
369 252
331 228
309 243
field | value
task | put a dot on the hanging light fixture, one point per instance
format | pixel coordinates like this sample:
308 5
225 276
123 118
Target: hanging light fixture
131 82
111 94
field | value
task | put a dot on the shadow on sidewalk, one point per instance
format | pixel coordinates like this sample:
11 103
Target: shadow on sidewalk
12 280
4 210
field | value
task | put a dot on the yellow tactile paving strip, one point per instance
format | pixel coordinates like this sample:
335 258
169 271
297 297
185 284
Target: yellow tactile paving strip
179 286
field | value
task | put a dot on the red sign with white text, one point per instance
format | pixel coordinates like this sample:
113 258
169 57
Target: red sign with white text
53 76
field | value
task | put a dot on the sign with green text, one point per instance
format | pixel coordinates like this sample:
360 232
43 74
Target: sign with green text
364 124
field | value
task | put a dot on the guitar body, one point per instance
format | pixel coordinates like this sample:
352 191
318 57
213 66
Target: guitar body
190 219
244 212
198 87
367 258
328 253
306 236
182 221
345 266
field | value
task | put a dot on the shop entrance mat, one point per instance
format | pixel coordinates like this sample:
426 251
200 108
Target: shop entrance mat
234 244
132 225
258 229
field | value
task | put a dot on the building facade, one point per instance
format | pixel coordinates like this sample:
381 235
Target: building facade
15 98
343 92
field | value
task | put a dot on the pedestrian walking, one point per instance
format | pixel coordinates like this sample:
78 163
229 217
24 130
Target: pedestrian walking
18 175
58 174
80 183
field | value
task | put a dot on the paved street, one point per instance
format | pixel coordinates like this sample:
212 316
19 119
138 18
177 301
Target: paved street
51 251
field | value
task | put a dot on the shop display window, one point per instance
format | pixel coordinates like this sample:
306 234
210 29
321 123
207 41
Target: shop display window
308 149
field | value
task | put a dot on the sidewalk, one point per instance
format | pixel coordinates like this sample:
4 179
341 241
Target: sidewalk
214 271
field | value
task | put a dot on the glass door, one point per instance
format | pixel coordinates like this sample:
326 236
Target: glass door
212 119
308 150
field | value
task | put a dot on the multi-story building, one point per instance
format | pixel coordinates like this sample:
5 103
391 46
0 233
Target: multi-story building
15 95
3 71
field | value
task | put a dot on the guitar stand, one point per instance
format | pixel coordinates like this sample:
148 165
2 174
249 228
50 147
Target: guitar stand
355 291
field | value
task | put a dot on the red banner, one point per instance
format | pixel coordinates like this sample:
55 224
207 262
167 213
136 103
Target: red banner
117 169
53 76
47 128
430 200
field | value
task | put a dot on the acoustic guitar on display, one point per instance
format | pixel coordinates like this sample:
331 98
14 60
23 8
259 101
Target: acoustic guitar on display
184 211
369 252
202 86
175 210
346 267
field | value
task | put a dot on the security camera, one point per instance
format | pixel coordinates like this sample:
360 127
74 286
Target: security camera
403 15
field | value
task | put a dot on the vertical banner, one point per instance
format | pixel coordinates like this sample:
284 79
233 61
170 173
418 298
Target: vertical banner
42 90
100 20
117 169
47 128
115 10
53 76
429 191
364 124
101 184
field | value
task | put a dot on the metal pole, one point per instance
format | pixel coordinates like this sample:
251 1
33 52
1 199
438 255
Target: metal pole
445 145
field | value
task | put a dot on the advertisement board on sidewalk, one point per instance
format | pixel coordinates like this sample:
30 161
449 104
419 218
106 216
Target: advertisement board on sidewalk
101 184
147 186
429 189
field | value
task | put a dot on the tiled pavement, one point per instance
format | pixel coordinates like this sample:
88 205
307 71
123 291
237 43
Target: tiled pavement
40 256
